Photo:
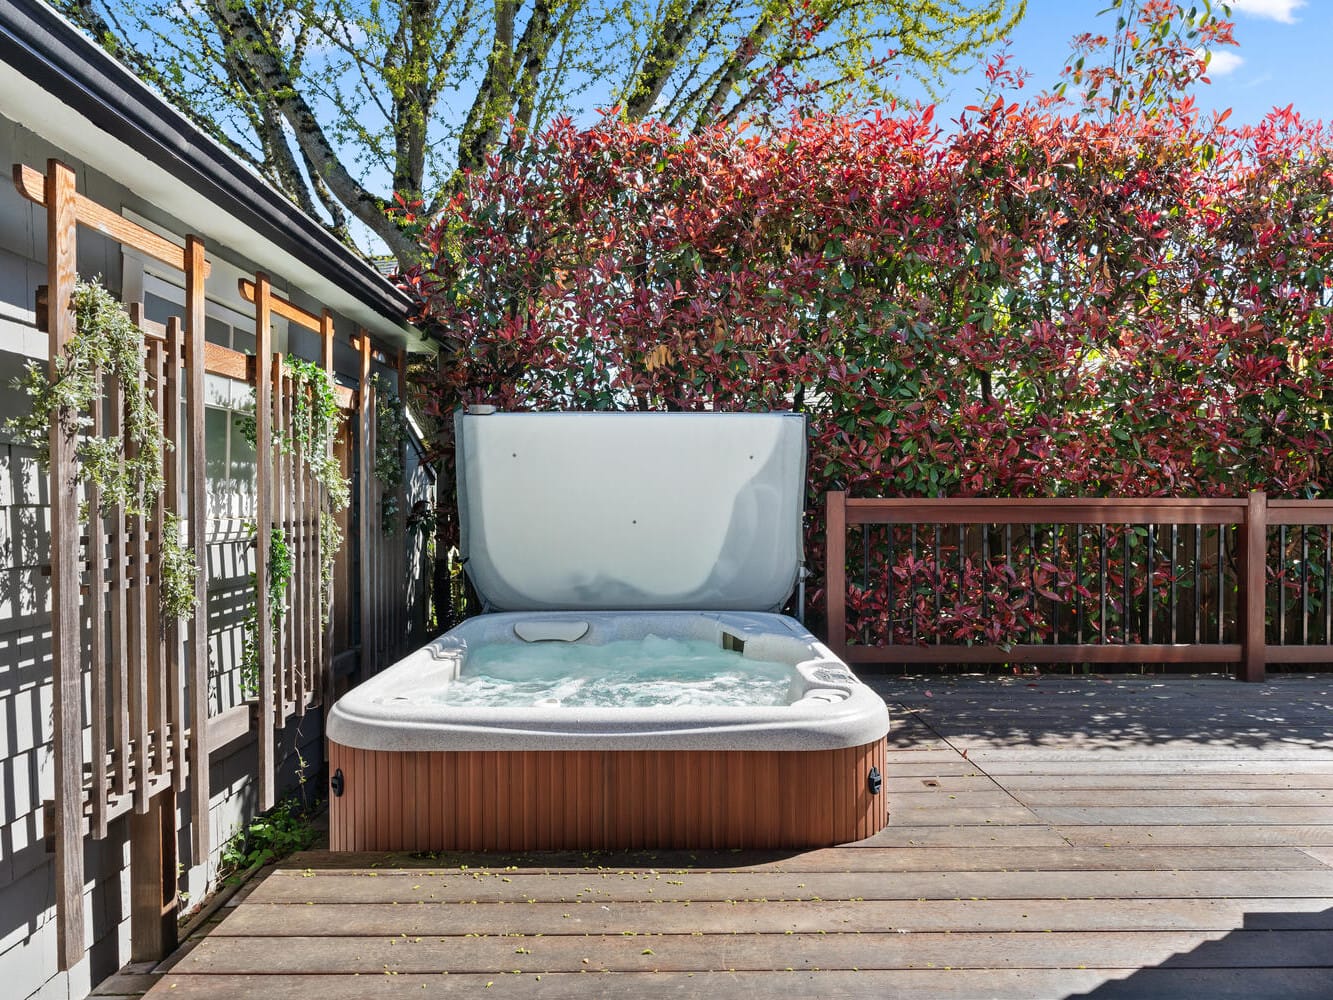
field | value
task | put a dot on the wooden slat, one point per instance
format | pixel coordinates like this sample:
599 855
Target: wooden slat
366 507
264 521
325 675
33 186
231 364
196 271
97 611
136 645
175 356
61 202
159 700
120 601
280 491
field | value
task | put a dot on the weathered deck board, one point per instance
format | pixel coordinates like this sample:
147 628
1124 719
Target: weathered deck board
263 920
1130 838
1022 984
687 886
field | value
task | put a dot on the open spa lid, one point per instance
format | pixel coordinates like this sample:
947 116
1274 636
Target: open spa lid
631 511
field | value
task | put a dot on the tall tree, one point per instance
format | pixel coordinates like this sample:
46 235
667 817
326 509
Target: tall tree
345 104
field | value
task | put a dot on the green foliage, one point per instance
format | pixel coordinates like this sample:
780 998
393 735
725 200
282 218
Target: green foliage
269 837
106 344
279 577
324 99
390 440
177 571
315 420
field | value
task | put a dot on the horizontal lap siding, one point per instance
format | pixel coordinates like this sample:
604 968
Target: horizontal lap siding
598 799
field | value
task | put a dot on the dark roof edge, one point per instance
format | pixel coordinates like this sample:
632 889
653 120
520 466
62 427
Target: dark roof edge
39 43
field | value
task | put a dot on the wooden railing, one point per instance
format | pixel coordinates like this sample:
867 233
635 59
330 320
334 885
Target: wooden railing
1245 581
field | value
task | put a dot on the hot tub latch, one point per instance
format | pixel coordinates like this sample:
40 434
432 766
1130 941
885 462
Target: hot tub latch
336 783
873 781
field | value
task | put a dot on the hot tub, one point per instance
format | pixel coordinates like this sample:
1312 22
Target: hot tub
630 684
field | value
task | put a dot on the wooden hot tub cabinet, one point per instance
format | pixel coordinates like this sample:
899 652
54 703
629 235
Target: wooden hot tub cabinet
395 800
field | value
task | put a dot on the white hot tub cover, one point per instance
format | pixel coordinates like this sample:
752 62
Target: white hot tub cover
631 511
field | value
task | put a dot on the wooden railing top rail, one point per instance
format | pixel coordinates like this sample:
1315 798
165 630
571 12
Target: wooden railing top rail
1060 510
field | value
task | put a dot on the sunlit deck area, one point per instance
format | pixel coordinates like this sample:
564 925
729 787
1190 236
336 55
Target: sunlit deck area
1050 837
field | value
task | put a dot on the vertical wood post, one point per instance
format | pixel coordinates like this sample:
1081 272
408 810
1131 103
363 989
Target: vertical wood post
66 669
835 569
263 526
1253 587
401 611
365 476
197 529
153 880
325 682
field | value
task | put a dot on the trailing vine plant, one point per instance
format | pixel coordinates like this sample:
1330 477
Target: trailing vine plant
390 437
107 344
279 577
315 419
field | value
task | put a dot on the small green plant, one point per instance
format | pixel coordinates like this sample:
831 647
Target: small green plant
177 571
279 577
275 834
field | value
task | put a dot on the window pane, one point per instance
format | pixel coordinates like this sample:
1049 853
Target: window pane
159 310
243 340
217 332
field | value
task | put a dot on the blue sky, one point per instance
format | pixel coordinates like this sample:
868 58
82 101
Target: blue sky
1284 56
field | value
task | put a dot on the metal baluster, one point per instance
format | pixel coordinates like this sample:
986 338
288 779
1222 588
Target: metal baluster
1078 584
1198 584
1174 567
1101 582
888 579
985 574
1150 589
911 588
1055 563
1305 588
1282 585
1128 596
1221 582
1328 583
935 571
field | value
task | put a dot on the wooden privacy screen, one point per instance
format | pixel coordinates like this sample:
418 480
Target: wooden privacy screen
296 662
104 595
148 679
1129 580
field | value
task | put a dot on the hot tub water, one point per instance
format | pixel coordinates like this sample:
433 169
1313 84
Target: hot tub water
648 672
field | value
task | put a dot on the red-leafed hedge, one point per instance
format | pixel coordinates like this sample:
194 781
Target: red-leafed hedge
1023 303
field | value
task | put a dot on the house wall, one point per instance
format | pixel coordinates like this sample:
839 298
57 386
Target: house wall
27 886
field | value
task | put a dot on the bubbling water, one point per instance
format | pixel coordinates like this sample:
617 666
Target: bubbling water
635 673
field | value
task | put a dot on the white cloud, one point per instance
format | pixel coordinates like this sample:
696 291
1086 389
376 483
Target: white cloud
1276 10
1223 62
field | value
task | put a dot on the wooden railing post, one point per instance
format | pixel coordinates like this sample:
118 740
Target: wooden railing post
263 527
1253 578
367 506
835 569
66 665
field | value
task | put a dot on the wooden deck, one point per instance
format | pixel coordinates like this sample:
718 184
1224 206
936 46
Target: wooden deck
1086 837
